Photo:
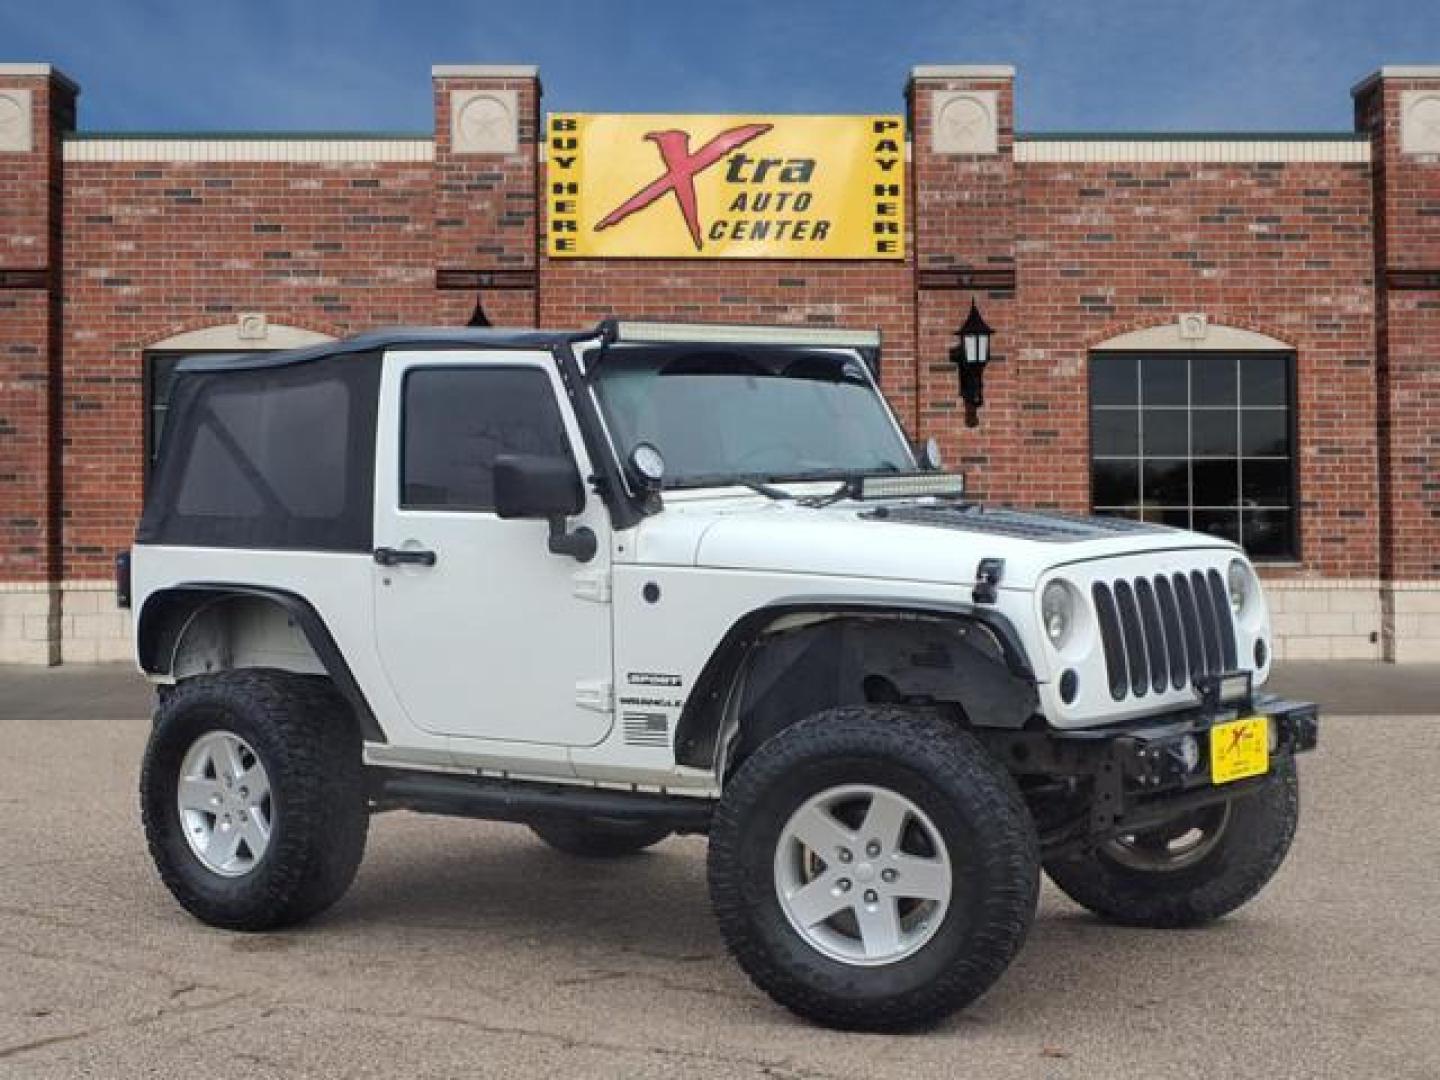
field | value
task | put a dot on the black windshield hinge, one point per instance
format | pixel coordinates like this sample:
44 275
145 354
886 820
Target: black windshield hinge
987 578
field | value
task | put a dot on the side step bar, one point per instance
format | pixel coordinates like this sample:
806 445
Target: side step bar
525 801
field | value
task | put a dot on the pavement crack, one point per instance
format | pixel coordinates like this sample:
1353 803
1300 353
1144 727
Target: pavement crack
153 1017
178 985
768 1066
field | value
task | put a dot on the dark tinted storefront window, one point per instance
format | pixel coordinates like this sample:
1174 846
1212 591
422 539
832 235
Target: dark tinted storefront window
1200 441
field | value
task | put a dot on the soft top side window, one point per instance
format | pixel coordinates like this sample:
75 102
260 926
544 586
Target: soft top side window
269 456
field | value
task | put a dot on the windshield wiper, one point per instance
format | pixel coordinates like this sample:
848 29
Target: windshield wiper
727 480
765 489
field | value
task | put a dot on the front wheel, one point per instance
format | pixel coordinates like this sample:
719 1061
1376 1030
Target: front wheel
873 868
1192 870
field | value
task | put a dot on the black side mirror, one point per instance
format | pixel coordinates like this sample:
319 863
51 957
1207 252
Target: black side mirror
549 488
531 486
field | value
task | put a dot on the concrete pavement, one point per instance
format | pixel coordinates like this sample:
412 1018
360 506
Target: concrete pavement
470 949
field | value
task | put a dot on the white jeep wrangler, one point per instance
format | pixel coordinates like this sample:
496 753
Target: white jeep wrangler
655 579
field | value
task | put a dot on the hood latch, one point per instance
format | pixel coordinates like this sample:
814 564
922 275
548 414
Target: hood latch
987 578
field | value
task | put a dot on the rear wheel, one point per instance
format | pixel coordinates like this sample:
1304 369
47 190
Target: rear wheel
252 797
595 838
1193 870
873 868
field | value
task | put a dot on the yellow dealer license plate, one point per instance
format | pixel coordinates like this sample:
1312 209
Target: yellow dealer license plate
1240 749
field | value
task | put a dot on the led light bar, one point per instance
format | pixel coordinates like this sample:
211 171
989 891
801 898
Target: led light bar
735 334
948 485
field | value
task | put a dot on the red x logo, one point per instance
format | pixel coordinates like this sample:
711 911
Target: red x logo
681 168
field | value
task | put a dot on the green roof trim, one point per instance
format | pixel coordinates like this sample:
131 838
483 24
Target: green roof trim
1191 136
251 136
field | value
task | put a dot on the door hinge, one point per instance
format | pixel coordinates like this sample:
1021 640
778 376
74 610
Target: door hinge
592 585
597 695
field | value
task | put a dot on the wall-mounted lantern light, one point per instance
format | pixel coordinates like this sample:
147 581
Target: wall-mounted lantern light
970 355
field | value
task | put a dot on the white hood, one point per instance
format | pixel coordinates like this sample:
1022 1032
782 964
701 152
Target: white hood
909 540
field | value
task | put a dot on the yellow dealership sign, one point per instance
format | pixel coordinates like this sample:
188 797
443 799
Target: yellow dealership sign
725 187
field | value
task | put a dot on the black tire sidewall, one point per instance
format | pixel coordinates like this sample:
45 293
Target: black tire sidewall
1256 839
318 817
972 803
768 817
170 742
598 838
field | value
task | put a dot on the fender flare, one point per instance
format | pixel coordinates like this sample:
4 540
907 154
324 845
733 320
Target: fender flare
156 634
699 724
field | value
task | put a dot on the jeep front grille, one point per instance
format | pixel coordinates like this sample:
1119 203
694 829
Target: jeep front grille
1165 629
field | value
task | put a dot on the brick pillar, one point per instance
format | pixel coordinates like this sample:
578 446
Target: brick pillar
1400 108
37 105
963 178
487 125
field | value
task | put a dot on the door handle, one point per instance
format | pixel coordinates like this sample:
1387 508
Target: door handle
387 556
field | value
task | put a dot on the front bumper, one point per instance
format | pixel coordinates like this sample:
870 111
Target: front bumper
1153 753
1089 785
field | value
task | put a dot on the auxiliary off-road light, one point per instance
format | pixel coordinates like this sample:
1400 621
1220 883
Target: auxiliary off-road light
941 485
1188 750
721 333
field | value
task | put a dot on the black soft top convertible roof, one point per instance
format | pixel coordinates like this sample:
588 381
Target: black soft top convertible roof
610 330
379 340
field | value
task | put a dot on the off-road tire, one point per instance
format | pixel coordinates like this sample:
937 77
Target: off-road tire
1245 857
591 838
974 805
306 737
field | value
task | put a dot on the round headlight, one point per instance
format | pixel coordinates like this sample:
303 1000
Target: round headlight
1241 585
1057 612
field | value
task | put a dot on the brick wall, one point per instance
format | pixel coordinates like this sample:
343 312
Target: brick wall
1283 249
965 232
1101 248
30 199
1407 257
1062 255
40 107
486 205
158 248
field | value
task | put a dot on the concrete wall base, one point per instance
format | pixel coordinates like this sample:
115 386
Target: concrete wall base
1326 619
1411 612
67 622
92 629
29 622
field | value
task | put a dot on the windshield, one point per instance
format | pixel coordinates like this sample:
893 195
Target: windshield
718 412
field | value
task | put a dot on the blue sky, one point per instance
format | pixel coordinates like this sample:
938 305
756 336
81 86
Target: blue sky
364 64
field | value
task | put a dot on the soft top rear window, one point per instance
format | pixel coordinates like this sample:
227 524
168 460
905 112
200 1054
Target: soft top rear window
269 457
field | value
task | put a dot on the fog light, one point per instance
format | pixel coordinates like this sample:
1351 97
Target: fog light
1189 750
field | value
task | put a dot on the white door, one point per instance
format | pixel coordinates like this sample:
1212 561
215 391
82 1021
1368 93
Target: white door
497 638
